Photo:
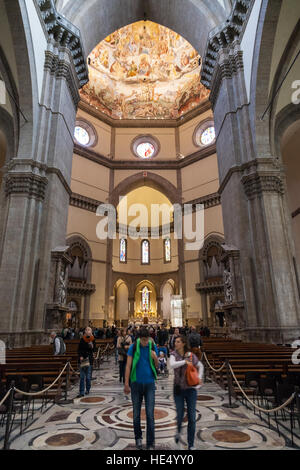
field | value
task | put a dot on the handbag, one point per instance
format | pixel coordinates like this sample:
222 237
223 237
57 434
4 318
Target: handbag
191 374
85 363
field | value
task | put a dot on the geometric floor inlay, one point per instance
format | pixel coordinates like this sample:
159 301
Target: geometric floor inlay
103 420
231 436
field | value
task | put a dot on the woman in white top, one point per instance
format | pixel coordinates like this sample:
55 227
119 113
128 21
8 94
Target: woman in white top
182 391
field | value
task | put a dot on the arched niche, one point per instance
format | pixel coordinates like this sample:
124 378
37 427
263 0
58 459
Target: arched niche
121 307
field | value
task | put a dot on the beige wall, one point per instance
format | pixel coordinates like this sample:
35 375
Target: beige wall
186 132
90 179
103 145
200 178
124 138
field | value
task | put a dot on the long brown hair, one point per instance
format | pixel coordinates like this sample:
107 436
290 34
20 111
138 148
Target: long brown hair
186 345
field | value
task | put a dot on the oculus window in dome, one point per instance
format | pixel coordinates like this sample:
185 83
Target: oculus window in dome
144 70
81 135
204 134
85 134
145 146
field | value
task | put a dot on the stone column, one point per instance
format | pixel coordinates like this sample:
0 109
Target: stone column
37 186
253 198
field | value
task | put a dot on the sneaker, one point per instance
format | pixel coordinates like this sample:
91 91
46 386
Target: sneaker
177 438
80 396
192 448
87 393
139 444
151 447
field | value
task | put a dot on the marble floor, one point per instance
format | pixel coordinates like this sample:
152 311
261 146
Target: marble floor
103 421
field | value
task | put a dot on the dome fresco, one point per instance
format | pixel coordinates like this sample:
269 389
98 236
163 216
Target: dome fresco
144 70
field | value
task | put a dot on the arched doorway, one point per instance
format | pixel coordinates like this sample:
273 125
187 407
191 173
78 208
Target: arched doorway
145 305
167 291
121 303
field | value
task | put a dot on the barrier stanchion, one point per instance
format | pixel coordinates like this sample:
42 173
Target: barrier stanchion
65 401
9 414
297 392
230 388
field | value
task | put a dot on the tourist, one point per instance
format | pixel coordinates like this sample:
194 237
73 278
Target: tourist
195 342
179 360
142 363
59 347
173 338
115 341
123 344
86 350
162 362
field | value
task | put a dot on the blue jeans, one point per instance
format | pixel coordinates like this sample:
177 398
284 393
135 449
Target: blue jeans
85 378
138 392
190 396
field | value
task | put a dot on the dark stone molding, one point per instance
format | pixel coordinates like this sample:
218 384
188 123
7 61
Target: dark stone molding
296 212
34 166
145 123
66 35
223 36
29 184
81 288
262 166
144 165
207 287
257 184
89 204
83 202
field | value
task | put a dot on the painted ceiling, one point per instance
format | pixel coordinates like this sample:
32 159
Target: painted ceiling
144 70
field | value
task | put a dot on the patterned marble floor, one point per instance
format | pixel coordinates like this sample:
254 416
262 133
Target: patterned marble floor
103 421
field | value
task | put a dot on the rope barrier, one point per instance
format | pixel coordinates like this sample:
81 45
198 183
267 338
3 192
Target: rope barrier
46 389
3 399
212 368
273 410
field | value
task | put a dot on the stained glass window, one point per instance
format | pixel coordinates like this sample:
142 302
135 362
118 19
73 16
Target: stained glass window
123 250
145 252
145 299
208 136
145 150
81 135
167 245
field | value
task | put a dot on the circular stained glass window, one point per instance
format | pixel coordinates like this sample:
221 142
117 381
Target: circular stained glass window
145 150
208 136
81 135
204 134
145 146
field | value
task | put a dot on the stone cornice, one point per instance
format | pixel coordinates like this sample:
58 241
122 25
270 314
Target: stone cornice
89 204
144 165
80 288
145 123
223 36
263 166
66 35
259 183
85 203
215 287
25 183
27 167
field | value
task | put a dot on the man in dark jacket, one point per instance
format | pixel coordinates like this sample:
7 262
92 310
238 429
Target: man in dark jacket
194 338
86 350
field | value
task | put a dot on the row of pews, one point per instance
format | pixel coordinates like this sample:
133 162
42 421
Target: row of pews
250 360
35 368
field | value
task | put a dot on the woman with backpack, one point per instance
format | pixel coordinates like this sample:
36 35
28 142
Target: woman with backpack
188 374
123 344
